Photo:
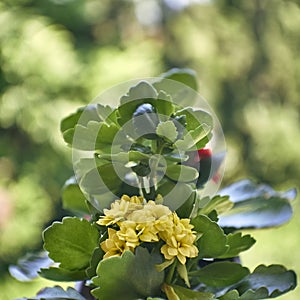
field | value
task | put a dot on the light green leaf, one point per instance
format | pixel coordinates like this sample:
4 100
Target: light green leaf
218 203
193 137
213 242
237 244
167 130
182 271
181 173
221 274
71 242
175 195
231 295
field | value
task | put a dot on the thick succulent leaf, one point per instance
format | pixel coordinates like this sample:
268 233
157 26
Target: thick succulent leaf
27 267
237 243
268 281
218 203
221 274
71 242
181 173
247 189
186 76
257 212
195 138
73 199
175 195
94 184
256 206
85 114
167 130
181 84
213 242
141 93
56 293
60 274
188 294
129 276
194 118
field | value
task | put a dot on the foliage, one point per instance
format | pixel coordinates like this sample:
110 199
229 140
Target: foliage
138 246
58 54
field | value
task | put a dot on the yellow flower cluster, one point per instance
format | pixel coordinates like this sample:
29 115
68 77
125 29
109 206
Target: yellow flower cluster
139 221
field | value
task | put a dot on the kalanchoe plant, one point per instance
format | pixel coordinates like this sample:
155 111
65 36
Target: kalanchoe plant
145 226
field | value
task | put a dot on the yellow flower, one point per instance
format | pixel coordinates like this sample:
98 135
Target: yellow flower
179 240
147 232
120 209
127 233
113 246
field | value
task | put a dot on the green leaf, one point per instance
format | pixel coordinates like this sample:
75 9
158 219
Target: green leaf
84 114
270 281
181 173
129 276
213 242
237 244
141 93
193 137
195 118
221 274
103 179
231 295
175 195
97 255
73 199
185 76
182 272
60 274
187 294
71 242
257 212
218 203
56 293
167 130
27 267
256 206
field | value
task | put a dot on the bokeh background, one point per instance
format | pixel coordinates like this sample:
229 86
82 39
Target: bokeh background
57 55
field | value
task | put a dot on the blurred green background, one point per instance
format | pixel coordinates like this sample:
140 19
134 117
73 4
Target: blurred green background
57 55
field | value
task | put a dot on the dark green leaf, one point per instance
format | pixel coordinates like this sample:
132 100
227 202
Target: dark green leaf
27 267
59 274
95 259
247 189
128 277
57 293
71 242
271 281
237 244
73 199
188 294
221 274
213 242
257 213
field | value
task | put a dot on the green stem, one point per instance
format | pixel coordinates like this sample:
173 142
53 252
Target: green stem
171 272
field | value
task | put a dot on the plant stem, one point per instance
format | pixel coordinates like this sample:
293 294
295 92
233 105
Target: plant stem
171 272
